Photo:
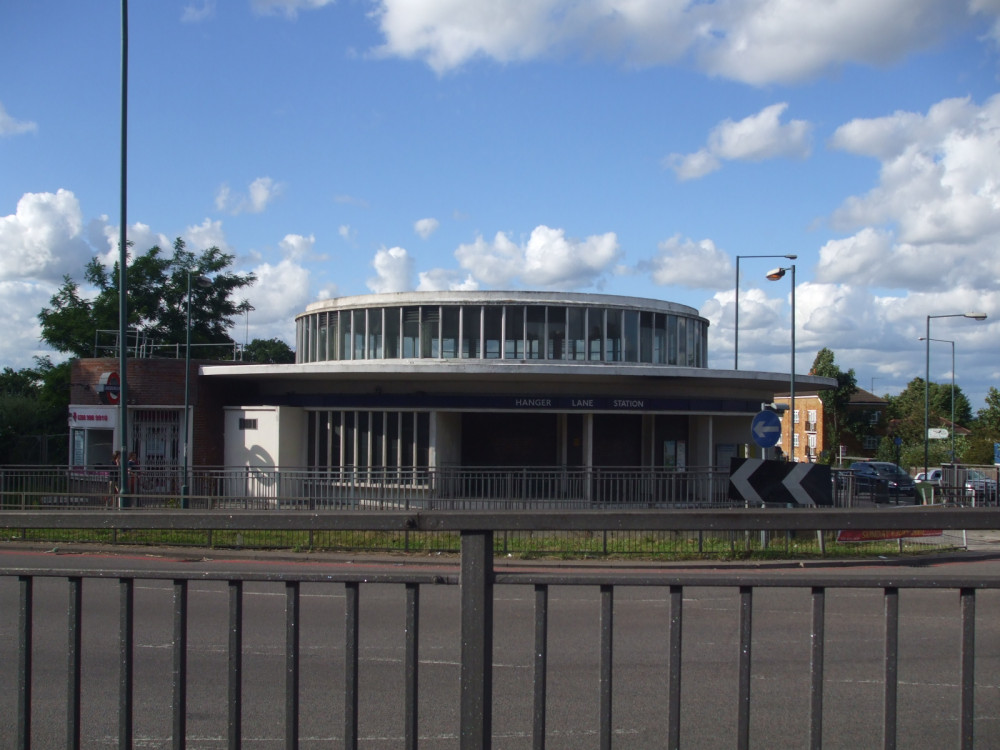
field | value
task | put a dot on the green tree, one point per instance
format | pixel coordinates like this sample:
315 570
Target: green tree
906 412
268 351
985 431
33 405
834 401
157 301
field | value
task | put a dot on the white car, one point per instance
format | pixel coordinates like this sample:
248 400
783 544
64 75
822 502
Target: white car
932 477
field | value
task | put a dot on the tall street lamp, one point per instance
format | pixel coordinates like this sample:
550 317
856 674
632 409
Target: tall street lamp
775 275
927 377
736 315
948 341
204 283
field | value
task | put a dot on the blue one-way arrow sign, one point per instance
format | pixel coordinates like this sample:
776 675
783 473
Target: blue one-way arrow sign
766 429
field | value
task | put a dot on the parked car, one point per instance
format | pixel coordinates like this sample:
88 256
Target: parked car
932 477
980 487
883 480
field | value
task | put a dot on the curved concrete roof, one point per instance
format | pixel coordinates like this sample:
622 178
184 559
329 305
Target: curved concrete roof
393 299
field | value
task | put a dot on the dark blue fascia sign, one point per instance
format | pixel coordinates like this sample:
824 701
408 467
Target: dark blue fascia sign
766 429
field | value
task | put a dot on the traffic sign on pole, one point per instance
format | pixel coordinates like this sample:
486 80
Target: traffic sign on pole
766 429
779 483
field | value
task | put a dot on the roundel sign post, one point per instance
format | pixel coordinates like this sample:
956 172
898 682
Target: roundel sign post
109 387
766 429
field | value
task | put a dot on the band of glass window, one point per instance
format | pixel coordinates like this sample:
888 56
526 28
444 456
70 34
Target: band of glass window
510 332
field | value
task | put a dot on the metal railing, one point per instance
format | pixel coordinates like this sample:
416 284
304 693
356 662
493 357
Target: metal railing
477 577
440 488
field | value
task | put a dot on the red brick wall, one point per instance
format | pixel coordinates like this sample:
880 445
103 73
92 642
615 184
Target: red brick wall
160 383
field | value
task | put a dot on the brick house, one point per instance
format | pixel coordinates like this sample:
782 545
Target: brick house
809 435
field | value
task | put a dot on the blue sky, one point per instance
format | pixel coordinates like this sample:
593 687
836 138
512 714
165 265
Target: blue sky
624 146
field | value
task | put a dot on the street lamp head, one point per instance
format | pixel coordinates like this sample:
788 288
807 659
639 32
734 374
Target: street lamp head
777 273
976 315
790 257
203 281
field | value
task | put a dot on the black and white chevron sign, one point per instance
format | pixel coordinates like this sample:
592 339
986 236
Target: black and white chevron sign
780 483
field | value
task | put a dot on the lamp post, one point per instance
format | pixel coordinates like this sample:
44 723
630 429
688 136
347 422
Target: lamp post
204 283
736 315
927 377
775 275
948 341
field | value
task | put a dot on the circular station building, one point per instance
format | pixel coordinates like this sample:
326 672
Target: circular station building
484 381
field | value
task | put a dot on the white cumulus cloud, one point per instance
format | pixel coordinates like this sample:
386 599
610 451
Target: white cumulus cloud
754 41
280 293
259 194
754 138
205 235
43 238
297 247
443 279
287 8
549 259
426 227
938 196
11 126
393 271
684 262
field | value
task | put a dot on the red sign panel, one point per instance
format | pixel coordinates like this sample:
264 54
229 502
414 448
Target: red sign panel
109 388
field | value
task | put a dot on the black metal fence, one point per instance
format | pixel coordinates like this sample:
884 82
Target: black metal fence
477 578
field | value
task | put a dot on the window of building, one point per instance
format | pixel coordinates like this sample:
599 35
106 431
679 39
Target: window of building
375 333
556 325
492 331
534 332
471 331
519 331
630 335
430 332
576 333
513 332
248 424
359 333
392 331
450 331
411 332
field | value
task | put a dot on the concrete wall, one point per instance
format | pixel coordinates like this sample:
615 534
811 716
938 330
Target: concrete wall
278 440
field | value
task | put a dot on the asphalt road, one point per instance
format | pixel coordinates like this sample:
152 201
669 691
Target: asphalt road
928 667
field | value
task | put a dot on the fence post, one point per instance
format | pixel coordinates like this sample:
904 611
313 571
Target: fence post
476 586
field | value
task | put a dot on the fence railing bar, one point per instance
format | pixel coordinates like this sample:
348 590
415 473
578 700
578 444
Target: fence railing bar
816 667
411 694
674 639
126 643
607 659
24 633
891 666
292 601
476 710
968 678
74 656
746 633
351 653
541 665
180 664
234 699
